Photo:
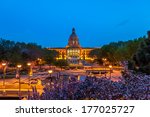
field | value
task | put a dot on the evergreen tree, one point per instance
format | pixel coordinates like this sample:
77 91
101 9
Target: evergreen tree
141 58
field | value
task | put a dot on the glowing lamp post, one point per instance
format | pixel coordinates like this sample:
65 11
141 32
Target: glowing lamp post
110 66
19 66
104 63
4 75
50 72
18 75
4 72
29 64
30 73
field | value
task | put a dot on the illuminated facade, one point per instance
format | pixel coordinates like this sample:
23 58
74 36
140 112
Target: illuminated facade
73 52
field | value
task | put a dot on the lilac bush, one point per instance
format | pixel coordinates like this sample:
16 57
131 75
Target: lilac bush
131 87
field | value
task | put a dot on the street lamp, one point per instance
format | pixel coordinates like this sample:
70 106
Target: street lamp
4 75
104 63
39 62
19 66
30 73
29 64
110 66
50 72
18 72
104 59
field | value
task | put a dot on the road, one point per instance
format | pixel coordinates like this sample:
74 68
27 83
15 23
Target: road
12 85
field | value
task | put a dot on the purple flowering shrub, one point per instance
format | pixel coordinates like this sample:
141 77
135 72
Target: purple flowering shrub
131 87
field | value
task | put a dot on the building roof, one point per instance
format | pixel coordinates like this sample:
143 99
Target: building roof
73 39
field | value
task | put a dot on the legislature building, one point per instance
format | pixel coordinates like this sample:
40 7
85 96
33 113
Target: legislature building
73 52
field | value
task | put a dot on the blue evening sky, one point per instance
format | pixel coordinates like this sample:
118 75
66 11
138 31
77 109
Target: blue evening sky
97 22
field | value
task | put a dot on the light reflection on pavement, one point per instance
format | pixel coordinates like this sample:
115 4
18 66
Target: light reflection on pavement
13 84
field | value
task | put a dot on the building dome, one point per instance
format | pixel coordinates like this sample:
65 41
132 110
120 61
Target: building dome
73 39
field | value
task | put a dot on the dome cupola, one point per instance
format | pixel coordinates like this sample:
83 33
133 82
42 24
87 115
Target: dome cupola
73 39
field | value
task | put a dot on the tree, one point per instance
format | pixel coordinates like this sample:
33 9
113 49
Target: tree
6 48
141 59
116 52
18 52
61 63
49 56
97 55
